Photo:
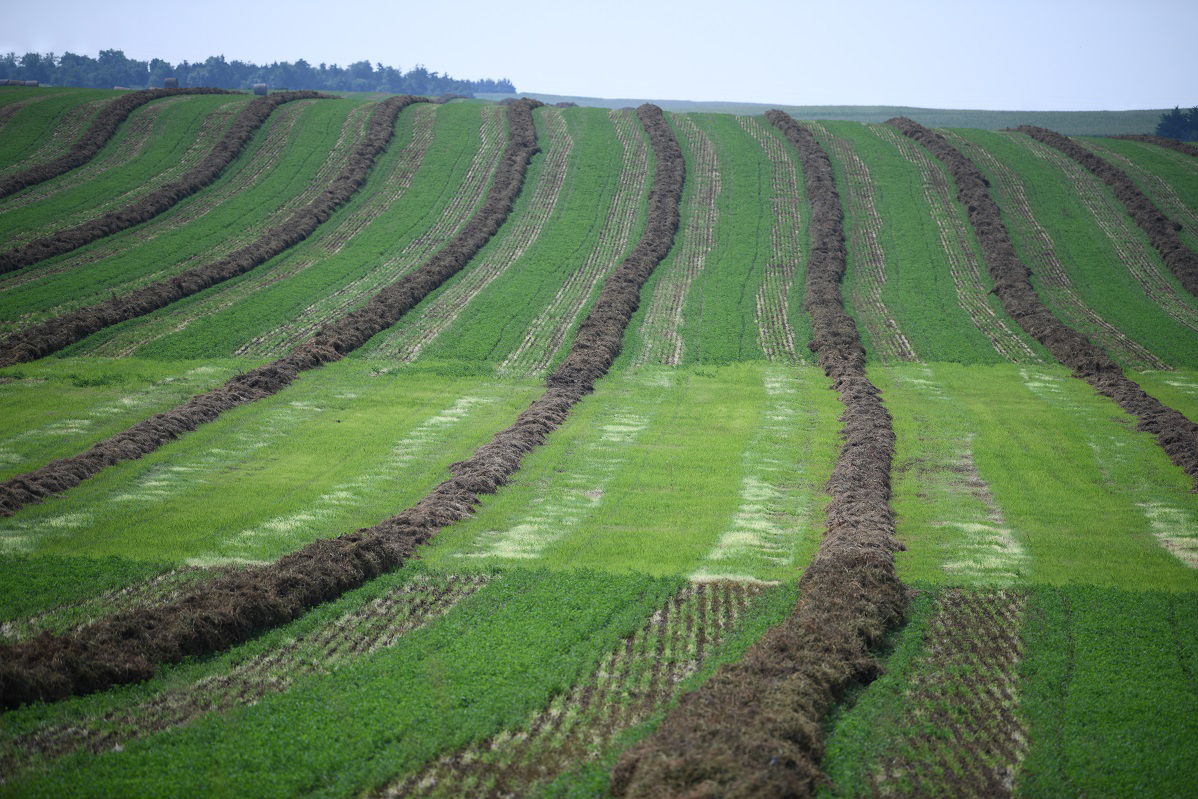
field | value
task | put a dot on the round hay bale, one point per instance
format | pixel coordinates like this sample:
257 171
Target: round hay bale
31 83
170 83
259 88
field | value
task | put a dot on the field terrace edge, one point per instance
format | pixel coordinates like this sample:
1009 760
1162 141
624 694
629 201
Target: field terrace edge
1175 434
756 728
244 125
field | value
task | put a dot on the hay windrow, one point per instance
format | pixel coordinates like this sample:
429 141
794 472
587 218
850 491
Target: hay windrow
203 174
128 647
1176 434
1162 231
756 728
55 334
102 129
1161 141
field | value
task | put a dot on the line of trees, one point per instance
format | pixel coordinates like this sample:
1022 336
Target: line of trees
113 68
1178 124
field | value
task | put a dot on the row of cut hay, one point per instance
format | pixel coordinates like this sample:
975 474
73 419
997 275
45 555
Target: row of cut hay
1162 231
129 647
146 208
51 336
631 683
964 263
756 728
1042 253
265 157
1161 141
374 625
1176 434
869 261
102 129
775 334
407 342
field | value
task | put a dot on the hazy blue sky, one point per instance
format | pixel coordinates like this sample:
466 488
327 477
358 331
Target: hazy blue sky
1013 55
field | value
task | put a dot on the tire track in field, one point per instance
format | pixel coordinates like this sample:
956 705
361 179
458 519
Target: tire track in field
987 551
1161 231
407 342
1112 218
630 684
1042 254
375 625
775 335
960 732
775 509
391 185
963 262
661 329
547 332
242 179
868 258
465 198
1175 434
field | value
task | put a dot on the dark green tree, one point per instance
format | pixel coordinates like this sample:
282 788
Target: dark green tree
1178 124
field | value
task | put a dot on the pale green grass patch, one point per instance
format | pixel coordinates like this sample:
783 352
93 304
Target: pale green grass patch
709 472
267 478
56 407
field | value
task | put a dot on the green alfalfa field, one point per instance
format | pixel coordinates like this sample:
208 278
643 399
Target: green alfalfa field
1050 647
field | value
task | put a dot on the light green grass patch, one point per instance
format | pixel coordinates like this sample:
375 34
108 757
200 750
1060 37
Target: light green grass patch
339 449
650 474
1069 473
55 408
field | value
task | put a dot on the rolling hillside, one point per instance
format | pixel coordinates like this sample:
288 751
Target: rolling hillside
375 446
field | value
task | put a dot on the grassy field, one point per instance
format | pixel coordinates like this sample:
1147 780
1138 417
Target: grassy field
1051 548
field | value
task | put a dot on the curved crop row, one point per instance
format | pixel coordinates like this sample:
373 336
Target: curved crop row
769 707
1182 261
1161 141
102 129
1176 434
55 334
208 170
46 127
128 647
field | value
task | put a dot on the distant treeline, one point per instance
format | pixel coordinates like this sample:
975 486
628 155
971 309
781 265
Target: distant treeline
113 68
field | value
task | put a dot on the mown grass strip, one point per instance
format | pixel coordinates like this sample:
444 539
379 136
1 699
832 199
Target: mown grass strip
58 333
1162 232
46 126
1177 435
866 274
1075 267
103 126
493 660
769 707
158 145
200 176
